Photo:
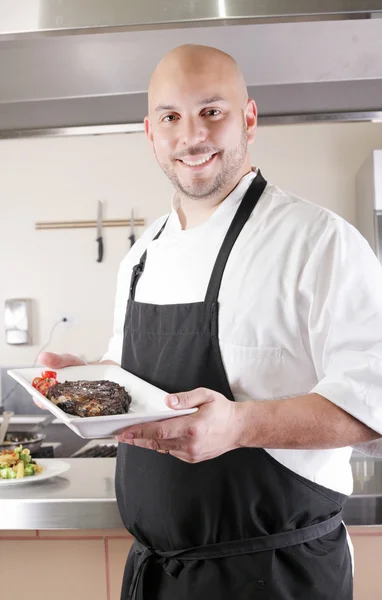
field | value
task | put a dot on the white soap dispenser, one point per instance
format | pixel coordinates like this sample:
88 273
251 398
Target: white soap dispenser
17 320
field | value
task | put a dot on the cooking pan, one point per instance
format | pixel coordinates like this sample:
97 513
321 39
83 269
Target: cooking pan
31 439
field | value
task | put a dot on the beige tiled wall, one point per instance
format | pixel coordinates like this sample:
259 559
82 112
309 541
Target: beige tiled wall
88 564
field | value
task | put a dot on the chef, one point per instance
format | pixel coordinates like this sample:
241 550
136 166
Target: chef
262 311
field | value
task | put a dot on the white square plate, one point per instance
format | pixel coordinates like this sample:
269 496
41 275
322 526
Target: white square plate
147 400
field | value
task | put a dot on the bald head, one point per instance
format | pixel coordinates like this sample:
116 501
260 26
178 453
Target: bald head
191 62
200 121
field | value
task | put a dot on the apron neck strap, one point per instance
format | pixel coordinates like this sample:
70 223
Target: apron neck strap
242 215
140 267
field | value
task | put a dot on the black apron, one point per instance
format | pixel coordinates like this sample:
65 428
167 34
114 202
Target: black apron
240 526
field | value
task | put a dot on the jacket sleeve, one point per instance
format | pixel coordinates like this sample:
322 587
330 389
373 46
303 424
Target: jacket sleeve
342 289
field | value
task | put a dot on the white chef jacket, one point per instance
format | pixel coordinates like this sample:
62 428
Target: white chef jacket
300 309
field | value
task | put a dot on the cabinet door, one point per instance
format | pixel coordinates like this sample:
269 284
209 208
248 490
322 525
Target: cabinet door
367 542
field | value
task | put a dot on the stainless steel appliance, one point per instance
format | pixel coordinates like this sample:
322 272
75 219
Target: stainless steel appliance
369 201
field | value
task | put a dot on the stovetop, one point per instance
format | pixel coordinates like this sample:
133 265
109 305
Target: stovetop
48 450
92 449
101 448
97 451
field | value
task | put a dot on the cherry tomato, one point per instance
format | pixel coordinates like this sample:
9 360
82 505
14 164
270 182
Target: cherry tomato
49 375
43 386
36 381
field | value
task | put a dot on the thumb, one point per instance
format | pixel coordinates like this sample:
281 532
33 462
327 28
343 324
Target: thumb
59 361
190 399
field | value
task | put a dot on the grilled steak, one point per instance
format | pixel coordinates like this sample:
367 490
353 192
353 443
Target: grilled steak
90 398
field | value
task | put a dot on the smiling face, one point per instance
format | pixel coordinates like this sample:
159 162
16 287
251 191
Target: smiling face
200 121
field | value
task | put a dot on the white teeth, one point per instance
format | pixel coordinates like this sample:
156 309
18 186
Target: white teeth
197 162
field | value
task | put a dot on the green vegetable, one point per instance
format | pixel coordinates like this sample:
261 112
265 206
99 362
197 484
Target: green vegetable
26 458
7 473
25 466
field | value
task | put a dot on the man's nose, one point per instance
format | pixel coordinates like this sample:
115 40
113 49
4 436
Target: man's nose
193 132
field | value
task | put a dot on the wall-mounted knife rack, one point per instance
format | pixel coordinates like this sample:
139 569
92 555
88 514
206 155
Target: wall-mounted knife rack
88 224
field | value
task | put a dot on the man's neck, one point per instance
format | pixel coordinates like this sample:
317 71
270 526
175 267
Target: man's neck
193 212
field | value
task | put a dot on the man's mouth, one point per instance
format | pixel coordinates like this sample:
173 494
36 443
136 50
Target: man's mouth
198 162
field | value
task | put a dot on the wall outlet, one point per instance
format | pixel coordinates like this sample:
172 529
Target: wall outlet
69 321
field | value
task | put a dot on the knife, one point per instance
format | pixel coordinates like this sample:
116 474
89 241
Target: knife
99 232
132 235
7 415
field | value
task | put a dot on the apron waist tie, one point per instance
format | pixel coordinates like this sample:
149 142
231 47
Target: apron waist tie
172 561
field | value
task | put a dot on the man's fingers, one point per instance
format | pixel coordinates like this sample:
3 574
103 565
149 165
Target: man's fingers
59 361
164 446
180 427
190 399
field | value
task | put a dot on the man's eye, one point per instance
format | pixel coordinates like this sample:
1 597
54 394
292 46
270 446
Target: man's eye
169 118
213 112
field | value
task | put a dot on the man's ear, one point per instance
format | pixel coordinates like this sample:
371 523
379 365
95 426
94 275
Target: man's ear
250 115
149 133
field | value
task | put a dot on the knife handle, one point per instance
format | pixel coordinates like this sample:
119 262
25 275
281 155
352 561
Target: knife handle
100 249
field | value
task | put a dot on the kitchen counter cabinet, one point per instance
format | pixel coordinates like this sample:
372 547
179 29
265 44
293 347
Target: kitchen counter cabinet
367 542
90 563
63 564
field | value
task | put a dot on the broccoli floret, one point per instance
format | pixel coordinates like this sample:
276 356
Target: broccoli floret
28 470
26 458
7 473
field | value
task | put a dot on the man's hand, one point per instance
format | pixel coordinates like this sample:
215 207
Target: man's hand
221 425
57 361
203 435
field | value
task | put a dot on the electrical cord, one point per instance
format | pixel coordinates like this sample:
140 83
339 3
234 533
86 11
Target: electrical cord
63 320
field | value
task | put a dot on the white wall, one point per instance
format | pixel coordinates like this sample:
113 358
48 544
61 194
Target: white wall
62 179
318 162
16 14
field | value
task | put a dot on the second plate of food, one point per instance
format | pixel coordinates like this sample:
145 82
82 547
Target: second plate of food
147 401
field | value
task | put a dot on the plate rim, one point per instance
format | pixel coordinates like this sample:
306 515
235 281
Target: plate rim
32 479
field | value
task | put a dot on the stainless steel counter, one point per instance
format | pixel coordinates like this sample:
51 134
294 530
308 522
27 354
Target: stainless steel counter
364 506
83 498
